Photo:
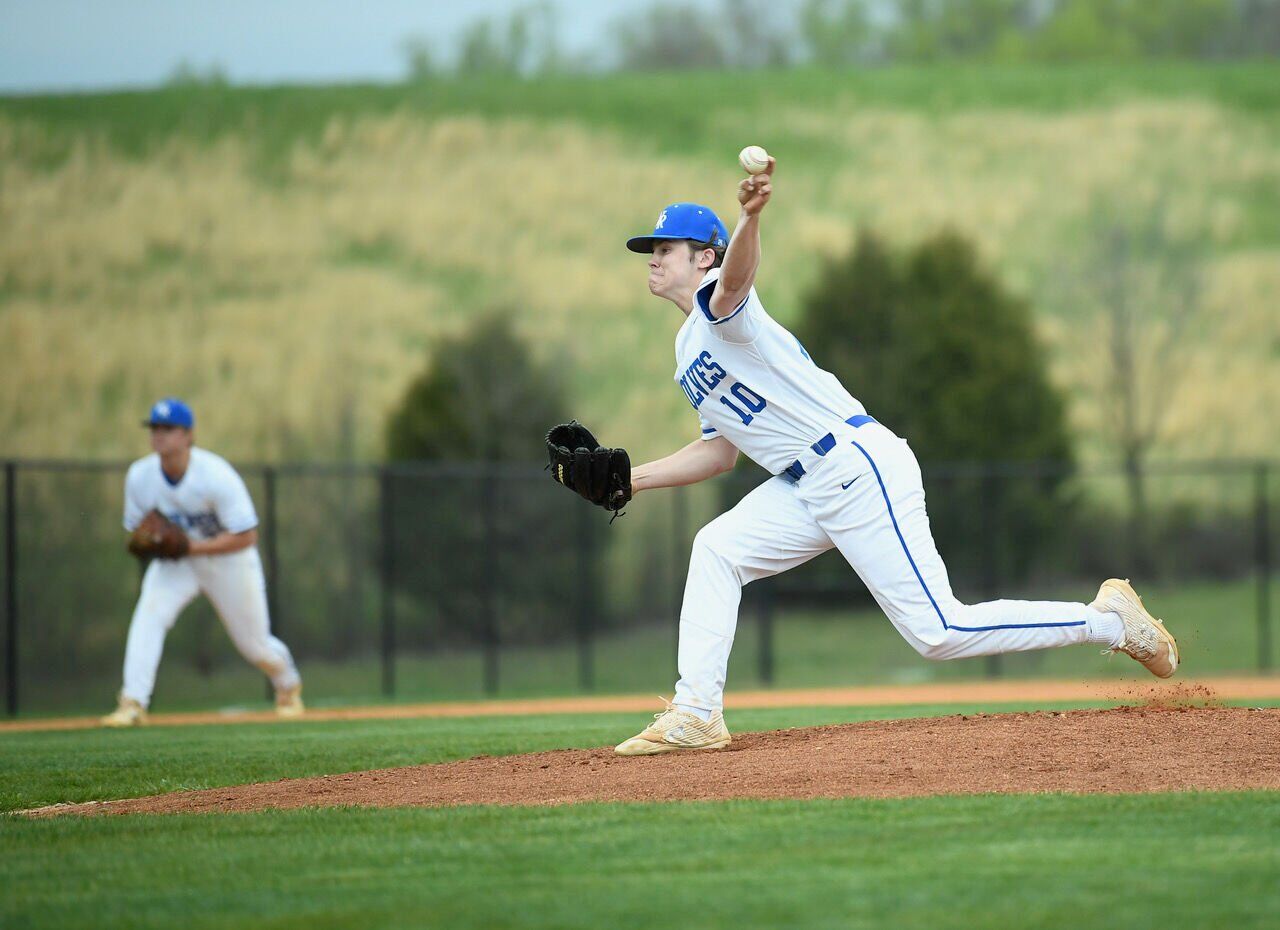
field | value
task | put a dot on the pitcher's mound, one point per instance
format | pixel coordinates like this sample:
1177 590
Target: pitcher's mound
1125 749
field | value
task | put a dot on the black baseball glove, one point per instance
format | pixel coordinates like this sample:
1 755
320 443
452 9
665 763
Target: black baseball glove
602 476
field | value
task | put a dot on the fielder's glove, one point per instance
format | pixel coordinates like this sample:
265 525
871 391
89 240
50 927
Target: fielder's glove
602 476
157 537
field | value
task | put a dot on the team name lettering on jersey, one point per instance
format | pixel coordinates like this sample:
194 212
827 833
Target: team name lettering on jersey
701 378
206 525
750 381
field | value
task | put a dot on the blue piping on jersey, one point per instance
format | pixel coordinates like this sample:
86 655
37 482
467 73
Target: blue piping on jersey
173 482
709 429
705 304
920 578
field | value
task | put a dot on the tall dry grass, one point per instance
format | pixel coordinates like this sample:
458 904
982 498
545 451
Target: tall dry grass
293 313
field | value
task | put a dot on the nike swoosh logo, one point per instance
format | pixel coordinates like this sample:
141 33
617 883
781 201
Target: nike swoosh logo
845 486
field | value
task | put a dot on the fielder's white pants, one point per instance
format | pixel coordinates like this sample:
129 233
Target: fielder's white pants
234 583
866 498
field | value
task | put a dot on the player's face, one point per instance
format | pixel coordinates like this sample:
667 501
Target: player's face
167 440
674 267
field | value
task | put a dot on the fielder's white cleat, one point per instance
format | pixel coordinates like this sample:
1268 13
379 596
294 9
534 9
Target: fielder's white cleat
1145 637
289 701
676 729
128 713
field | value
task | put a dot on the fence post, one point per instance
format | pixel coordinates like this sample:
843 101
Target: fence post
1262 557
679 519
488 612
990 564
11 587
764 606
269 545
587 600
386 531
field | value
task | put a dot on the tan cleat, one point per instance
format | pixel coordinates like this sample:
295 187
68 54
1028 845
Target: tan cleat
128 713
289 701
675 729
1145 637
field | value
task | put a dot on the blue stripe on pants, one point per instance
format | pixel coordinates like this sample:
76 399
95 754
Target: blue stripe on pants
962 629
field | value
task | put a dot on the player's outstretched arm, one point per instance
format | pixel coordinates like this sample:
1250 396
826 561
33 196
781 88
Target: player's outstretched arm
742 258
699 460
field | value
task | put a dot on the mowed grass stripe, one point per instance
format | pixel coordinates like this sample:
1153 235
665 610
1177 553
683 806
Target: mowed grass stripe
1167 861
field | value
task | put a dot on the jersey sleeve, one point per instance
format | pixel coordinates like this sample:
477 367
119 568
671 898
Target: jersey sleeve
739 327
708 431
232 502
134 509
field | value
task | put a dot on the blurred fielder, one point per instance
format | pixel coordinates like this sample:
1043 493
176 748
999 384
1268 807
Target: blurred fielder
189 512
841 480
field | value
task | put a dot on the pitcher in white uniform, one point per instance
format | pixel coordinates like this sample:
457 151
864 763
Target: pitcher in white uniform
204 495
841 480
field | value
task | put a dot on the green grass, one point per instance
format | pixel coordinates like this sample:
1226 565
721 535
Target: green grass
52 767
662 108
1216 626
1166 861
55 767
1197 859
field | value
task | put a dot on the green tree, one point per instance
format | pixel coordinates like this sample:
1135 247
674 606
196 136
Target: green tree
756 34
1084 29
478 400
485 550
669 37
524 45
419 60
942 354
837 33
930 30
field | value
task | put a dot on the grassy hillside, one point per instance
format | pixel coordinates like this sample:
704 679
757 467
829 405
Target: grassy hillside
285 256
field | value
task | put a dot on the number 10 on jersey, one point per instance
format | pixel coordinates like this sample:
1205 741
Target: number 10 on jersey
749 399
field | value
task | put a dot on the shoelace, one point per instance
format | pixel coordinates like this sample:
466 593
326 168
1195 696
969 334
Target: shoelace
670 708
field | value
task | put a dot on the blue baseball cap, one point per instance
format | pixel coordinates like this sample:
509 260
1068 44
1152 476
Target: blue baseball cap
690 221
170 412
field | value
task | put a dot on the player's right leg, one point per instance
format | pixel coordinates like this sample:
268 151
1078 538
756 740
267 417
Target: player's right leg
878 520
238 589
768 532
167 587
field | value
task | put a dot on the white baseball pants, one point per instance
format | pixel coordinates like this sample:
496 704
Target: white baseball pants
235 584
866 498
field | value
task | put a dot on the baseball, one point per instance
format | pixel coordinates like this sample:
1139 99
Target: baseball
754 159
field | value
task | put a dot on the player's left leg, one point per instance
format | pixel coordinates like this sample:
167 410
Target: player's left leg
769 531
168 586
236 586
873 507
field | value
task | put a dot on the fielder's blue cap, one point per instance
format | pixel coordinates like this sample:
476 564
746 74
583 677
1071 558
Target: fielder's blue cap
170 412
690 221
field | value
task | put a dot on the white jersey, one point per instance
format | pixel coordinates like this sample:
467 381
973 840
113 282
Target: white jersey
210 498
751 381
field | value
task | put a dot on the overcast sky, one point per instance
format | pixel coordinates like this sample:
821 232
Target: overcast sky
100 44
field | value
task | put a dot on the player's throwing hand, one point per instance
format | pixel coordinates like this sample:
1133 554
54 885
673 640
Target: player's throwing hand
754 192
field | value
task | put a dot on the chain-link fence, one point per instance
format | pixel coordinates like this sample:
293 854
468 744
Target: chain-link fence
435 581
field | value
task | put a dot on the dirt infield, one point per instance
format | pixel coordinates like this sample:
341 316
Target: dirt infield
1237 688
1156 747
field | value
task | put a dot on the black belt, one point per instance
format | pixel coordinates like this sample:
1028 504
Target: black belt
795 471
